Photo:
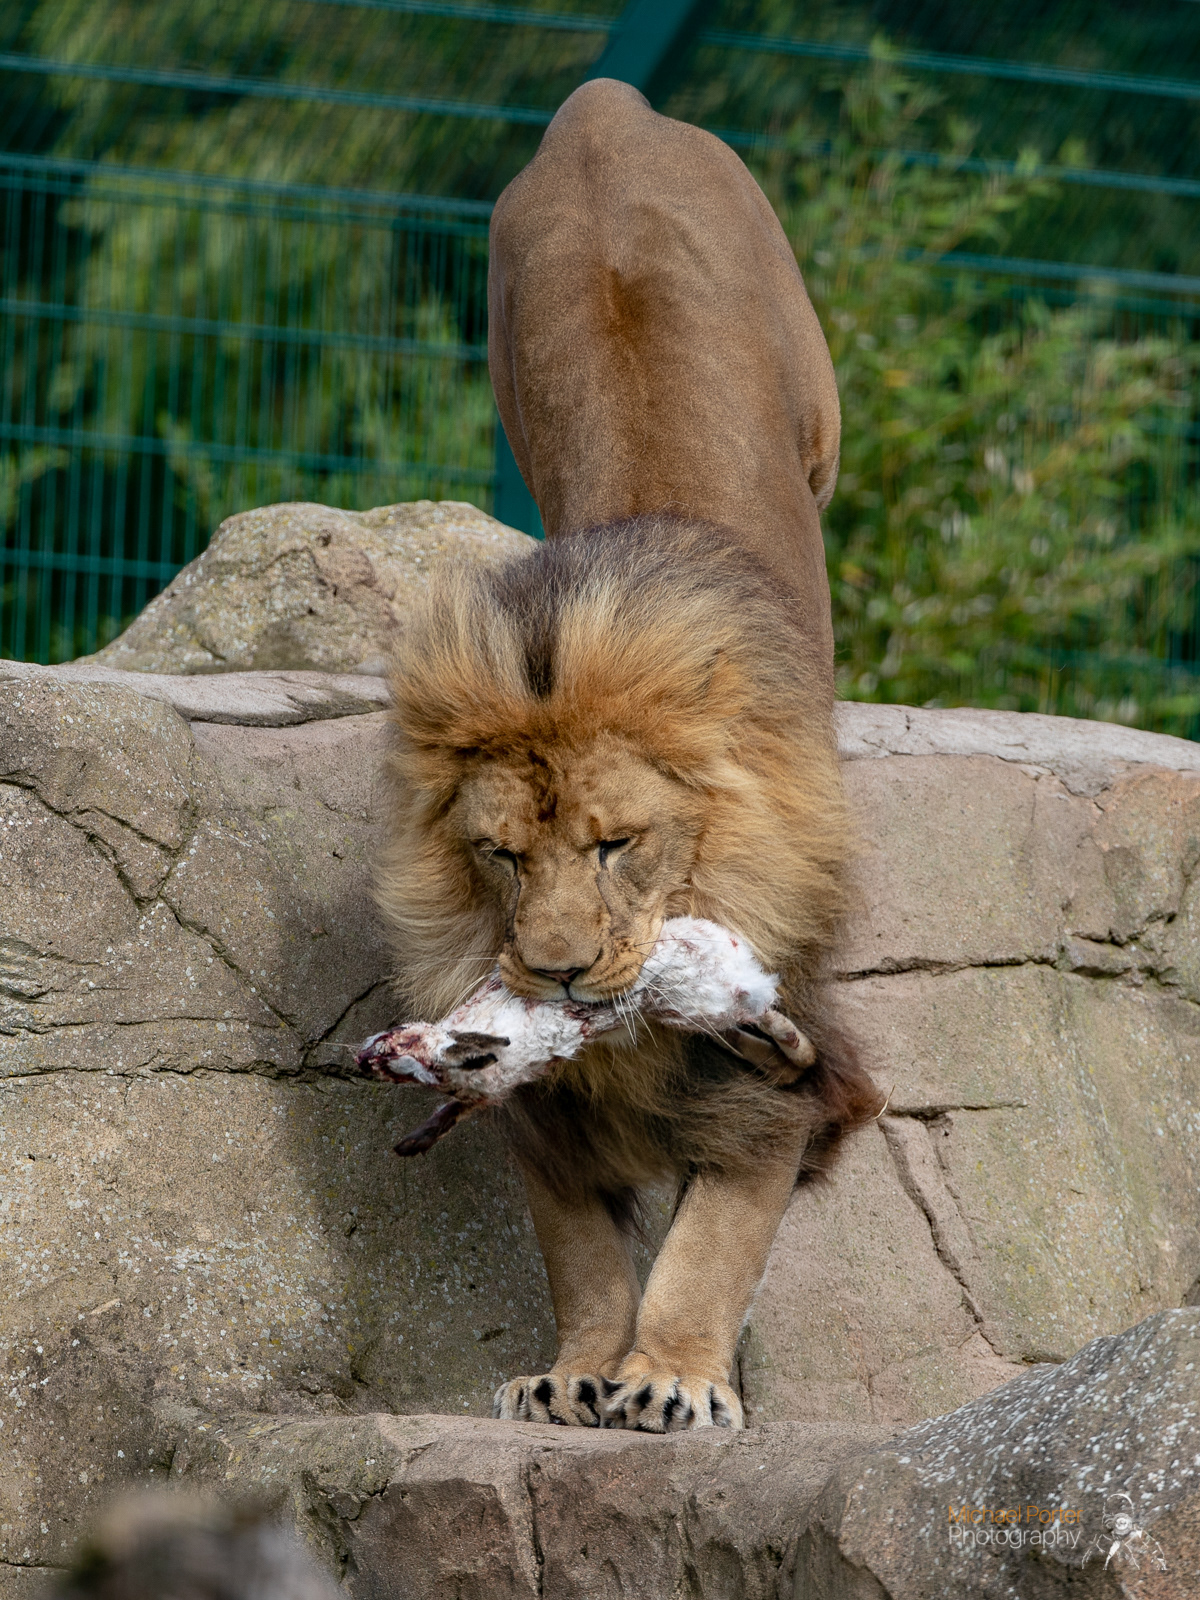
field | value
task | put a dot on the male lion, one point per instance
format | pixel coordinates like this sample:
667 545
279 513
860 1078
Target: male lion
635 723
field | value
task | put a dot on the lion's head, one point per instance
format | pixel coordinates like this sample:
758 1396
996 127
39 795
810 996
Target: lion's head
584 851
618 728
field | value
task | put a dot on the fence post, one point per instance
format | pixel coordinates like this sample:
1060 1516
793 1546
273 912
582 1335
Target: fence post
514 504
649 43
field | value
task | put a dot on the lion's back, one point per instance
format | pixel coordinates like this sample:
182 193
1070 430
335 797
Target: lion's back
651 343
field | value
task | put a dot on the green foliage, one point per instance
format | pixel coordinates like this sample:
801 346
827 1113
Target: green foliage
225 346
1014 523
362 49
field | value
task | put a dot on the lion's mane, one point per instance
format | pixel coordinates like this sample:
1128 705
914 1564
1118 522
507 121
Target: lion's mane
672 636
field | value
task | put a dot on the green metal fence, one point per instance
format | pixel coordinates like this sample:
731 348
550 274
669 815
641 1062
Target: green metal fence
243 249
135 422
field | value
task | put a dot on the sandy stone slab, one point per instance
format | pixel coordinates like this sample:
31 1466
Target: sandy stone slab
230 1242
1050 1194
1031 1185
858 1317
96 750
975 860
181 895
1086 755
277 874
247 699
434 1507
963 861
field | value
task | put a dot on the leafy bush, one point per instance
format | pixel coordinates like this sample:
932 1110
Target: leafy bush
1016 523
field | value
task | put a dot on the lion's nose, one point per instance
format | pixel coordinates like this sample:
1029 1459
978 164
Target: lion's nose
564 977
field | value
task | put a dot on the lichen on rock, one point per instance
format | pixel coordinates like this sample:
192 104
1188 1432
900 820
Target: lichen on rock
299 586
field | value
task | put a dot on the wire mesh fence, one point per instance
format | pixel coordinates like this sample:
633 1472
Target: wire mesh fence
243 259
191 350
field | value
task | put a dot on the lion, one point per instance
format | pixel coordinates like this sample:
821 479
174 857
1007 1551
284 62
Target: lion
634 723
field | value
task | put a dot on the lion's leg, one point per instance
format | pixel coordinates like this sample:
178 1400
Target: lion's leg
595 1293
677 1374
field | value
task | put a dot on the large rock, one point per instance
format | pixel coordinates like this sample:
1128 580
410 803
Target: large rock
201 1211
1022 973
304 586
1019 1493
1006 1496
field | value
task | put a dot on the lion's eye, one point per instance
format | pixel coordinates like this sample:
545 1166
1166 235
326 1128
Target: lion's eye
609 847
495 853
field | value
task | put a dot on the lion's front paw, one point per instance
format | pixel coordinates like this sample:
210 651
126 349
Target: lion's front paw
572 1399
668 1402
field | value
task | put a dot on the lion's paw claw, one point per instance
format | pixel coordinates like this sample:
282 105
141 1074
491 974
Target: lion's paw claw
571 1399
665 1402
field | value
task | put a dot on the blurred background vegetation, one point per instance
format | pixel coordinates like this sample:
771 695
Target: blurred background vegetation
243 256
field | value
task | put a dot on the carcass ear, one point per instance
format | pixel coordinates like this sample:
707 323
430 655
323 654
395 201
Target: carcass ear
473 1050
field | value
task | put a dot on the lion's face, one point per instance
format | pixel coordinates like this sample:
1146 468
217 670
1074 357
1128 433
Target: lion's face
584 852
617 728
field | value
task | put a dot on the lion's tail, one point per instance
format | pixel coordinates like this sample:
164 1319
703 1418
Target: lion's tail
846 1097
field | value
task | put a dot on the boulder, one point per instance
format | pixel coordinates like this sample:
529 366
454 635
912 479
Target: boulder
1020 1492
201 1213
1016 1493
1021 972
300 586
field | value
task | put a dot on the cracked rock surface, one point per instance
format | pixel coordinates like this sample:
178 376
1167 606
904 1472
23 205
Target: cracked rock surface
199 1207
429 1508
201 1213
1022 975
1006 1496
304 586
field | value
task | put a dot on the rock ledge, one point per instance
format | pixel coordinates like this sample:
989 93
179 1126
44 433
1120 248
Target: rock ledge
1005 1496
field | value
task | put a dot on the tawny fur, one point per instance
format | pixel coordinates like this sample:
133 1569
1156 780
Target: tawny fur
633 724
652 347
672 643
665 637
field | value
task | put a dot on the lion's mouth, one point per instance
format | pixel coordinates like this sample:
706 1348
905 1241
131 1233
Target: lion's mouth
595 989
607 979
